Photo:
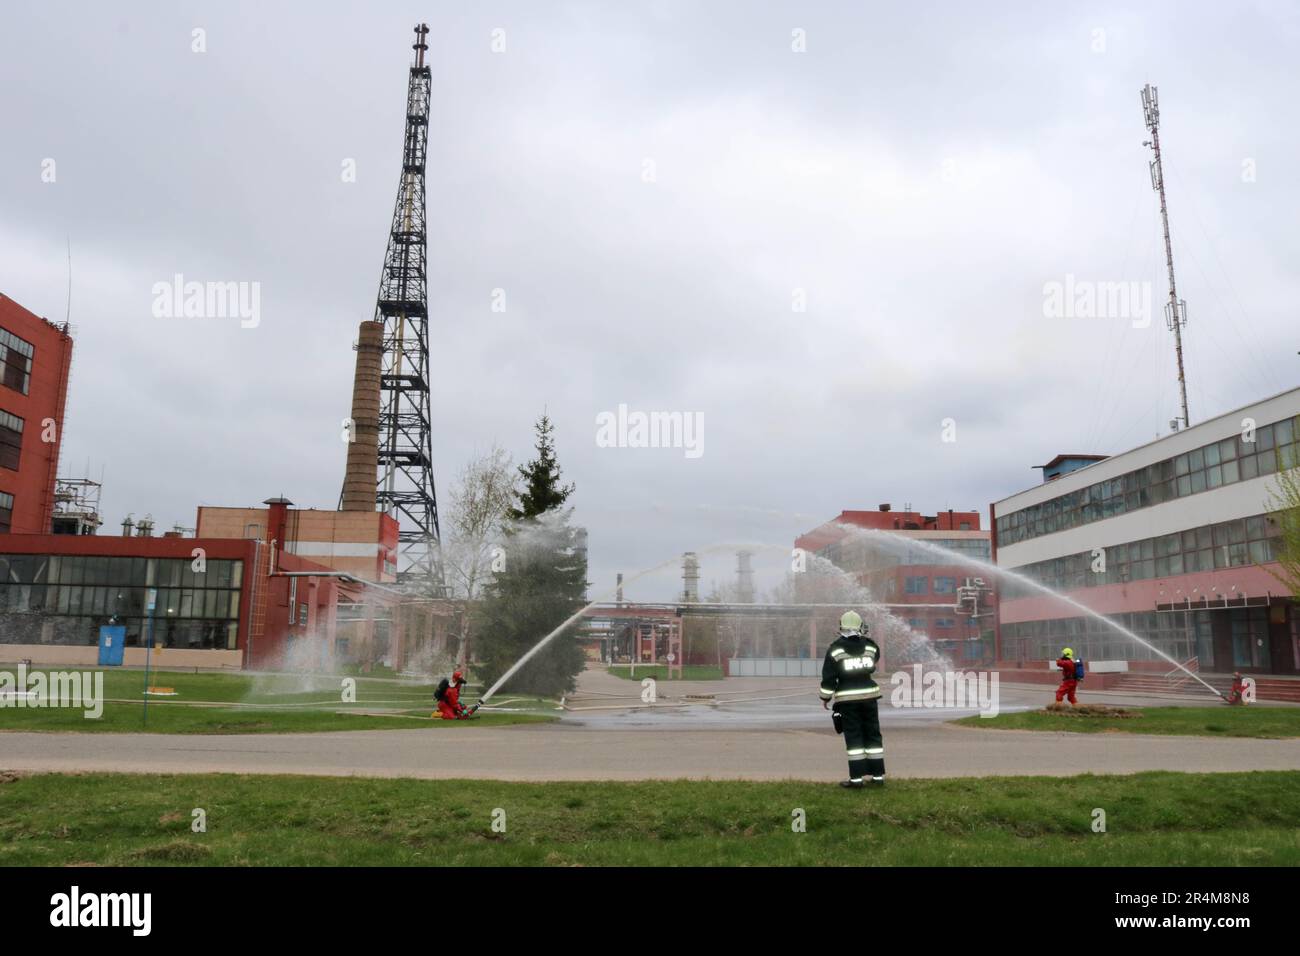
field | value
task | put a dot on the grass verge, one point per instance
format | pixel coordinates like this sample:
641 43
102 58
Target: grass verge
253 703
1224 721
1155 818
127 718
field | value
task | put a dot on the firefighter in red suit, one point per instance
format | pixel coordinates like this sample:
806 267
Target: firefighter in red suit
1066 663
1238 695
449 705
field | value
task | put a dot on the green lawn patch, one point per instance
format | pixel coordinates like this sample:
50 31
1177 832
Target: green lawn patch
256 703
251 688
1223 721
1151 819
172 718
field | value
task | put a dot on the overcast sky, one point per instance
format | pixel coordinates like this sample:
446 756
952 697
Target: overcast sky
915 175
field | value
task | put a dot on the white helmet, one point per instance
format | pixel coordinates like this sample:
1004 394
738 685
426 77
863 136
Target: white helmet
851 624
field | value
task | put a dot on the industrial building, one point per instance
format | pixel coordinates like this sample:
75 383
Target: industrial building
239 595
35 359
360 543
1172 540
259 588
948 601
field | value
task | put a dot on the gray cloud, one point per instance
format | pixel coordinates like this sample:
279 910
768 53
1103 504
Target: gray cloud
919 173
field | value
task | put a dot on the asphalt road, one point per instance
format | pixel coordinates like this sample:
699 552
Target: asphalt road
567 752
749 729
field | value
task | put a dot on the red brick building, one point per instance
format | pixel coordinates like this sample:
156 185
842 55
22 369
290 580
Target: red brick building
242 605
35 356
921 587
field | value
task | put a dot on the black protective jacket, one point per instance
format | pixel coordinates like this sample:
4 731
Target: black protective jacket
848 671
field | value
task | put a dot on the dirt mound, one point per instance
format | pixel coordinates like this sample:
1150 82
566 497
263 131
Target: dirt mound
1089 710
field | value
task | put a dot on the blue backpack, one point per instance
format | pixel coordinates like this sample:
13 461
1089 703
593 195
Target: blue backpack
1078 670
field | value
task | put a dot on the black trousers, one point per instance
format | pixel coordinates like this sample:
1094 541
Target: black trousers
862 741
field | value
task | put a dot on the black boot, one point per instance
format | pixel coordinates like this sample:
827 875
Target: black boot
853 784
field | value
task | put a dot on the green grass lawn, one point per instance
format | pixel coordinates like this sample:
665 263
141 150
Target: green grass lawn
180 719
660 672
256 703
255 688
1224 721
1154 818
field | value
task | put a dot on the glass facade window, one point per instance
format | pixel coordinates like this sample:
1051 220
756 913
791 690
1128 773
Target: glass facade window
6 512
1228 544
945 585
1211 466
1250 638
15 361
11 440
64 599
916 585
915 555
1176 633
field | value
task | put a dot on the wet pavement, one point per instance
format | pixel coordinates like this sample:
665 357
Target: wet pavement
751 729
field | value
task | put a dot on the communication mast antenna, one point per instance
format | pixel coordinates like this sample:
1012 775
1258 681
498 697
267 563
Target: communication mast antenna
1175 308
404 483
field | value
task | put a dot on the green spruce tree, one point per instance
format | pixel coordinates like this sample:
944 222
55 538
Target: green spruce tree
543 583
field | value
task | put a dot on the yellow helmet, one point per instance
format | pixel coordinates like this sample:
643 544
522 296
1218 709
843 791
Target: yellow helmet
850 623
1068 652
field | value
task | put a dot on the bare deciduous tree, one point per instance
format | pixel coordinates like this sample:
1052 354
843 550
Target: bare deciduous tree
1285 514
480 500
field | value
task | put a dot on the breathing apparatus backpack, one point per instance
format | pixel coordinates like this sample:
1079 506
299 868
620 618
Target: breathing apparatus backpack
443 686
1078 670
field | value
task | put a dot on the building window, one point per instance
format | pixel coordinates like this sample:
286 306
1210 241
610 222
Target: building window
1275 448
15 361
945 585
6 512
916 585
11 440
65 599
1254 540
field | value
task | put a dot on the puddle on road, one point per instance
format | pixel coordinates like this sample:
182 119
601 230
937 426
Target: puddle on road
805 715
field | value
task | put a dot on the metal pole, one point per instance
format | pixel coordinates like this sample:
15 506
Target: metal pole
148 650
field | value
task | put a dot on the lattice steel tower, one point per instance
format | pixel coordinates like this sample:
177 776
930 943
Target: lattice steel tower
405 487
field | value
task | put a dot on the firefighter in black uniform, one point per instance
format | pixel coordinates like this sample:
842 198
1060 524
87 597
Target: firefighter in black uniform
852 693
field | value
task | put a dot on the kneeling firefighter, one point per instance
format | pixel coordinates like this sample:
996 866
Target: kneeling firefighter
852 693
448 697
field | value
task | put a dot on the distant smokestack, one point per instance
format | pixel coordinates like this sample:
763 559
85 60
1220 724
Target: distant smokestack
359 480
690 577
618 594
744 578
